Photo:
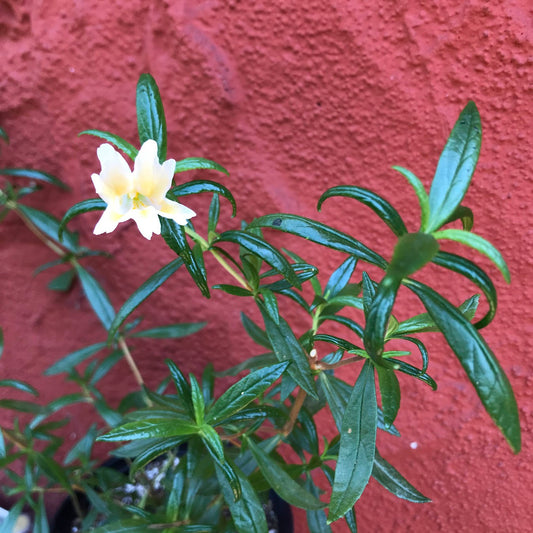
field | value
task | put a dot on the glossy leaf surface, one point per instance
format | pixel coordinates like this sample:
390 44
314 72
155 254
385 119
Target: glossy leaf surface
357 445
92 204
146 289
379 205
151 121
455 167
37 175
198 186
119 143
321 234
281 482
477 359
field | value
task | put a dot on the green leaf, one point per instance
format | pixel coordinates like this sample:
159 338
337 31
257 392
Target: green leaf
411 253
244 392
378 317
357 445
120 143
214 213
92 204
465 215
455 168
255 332
172 331
9 522
423 323
40 522
321 234
176 239
63 282
21 405
49 225
150 428
4 135
19 385
198 186
472 272
67 363
478 243
420 191
480 364
234 290
281 482
197 399
182 387
271 305
264 250
97 297
247 512
340 278
390 394
411 370
198 163
151 120
387 476
146 289
379 205
154 450
287 348
37 175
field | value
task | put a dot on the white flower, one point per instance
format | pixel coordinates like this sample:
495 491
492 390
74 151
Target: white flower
140 195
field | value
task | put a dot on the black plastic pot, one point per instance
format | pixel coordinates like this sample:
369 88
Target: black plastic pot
66 515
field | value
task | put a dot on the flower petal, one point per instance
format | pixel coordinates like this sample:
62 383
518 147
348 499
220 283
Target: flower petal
109 221
147 221
176 211
115 177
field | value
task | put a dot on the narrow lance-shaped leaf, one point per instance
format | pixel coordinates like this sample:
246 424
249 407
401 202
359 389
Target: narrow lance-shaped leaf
472 272
152 428
281 482
198 186
49 225
321 234
264 250
478 243
151 120
172 331
357 445
387 476
379 205
247 512
340 278
455 168
146 289
67 363
37 175
198 163
420 192
175 237
96 296
287 348
244 391
120 143
92 204
465 215
477 359
390 394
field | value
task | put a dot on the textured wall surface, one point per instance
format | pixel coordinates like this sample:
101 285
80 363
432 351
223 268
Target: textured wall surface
292 97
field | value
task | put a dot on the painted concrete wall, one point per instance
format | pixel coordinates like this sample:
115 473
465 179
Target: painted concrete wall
292 97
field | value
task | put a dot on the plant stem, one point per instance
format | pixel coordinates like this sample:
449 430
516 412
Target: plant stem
131 363
225 265
293 414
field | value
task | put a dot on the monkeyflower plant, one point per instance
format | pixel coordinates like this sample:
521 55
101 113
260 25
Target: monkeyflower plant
218 456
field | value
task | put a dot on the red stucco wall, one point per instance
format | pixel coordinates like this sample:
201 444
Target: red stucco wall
292 97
